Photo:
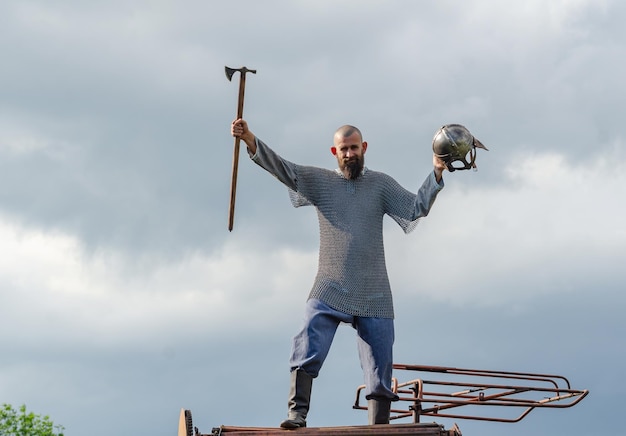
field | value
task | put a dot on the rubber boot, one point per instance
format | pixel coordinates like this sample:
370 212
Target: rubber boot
299 399
378 411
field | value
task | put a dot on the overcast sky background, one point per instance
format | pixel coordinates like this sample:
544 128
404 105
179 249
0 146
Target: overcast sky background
124 298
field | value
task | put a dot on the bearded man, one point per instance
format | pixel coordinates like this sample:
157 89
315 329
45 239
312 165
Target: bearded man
351 285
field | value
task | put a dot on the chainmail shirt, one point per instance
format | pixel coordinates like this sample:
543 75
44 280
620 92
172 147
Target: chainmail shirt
352 275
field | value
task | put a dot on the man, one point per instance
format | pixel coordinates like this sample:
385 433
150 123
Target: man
351 285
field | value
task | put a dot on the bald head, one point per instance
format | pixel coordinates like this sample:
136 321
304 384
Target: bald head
346 131
349 149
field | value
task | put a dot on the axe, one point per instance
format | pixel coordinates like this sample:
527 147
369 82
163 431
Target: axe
233 181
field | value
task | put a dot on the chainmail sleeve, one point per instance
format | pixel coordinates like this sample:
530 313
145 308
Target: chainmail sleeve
298 199
270 161
405 207
283 170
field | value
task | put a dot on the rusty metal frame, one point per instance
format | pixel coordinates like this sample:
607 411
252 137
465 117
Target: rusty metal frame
427 429
470 388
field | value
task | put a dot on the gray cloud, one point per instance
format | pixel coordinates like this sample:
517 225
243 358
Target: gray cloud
123 297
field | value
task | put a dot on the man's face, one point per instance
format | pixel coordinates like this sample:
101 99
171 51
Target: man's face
350 151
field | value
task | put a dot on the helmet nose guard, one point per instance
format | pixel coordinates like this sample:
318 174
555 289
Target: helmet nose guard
454 143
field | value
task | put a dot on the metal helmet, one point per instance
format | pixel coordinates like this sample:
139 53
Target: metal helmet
453 143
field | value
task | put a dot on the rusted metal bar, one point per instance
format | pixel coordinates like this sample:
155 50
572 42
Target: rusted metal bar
550 378
478 388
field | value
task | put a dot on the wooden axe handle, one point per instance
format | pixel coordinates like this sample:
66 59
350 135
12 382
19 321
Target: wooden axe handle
233 181
233 185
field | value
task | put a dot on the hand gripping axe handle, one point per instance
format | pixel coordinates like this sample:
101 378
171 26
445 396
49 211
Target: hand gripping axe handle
233 181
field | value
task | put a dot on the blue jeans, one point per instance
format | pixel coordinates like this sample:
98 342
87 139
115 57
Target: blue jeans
375 337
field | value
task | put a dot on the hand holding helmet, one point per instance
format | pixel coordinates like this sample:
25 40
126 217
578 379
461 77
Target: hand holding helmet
454 143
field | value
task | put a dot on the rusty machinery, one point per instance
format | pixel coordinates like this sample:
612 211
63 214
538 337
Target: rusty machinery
476 394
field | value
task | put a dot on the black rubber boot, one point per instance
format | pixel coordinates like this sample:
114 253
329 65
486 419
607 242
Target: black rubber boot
299 399
378 411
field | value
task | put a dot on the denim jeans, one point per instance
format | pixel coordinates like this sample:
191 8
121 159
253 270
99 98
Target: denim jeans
375 337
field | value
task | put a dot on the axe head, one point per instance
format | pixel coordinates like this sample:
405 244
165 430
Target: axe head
242 70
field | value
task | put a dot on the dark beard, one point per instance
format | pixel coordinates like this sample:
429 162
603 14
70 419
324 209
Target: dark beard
354 167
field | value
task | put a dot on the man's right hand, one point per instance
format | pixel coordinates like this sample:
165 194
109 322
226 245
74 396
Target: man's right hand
239 129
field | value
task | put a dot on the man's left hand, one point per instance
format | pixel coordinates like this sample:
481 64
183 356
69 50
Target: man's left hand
439 167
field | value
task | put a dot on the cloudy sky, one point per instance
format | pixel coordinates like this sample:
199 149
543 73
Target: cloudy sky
124 298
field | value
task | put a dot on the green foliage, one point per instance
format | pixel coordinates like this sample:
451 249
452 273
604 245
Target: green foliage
21 423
